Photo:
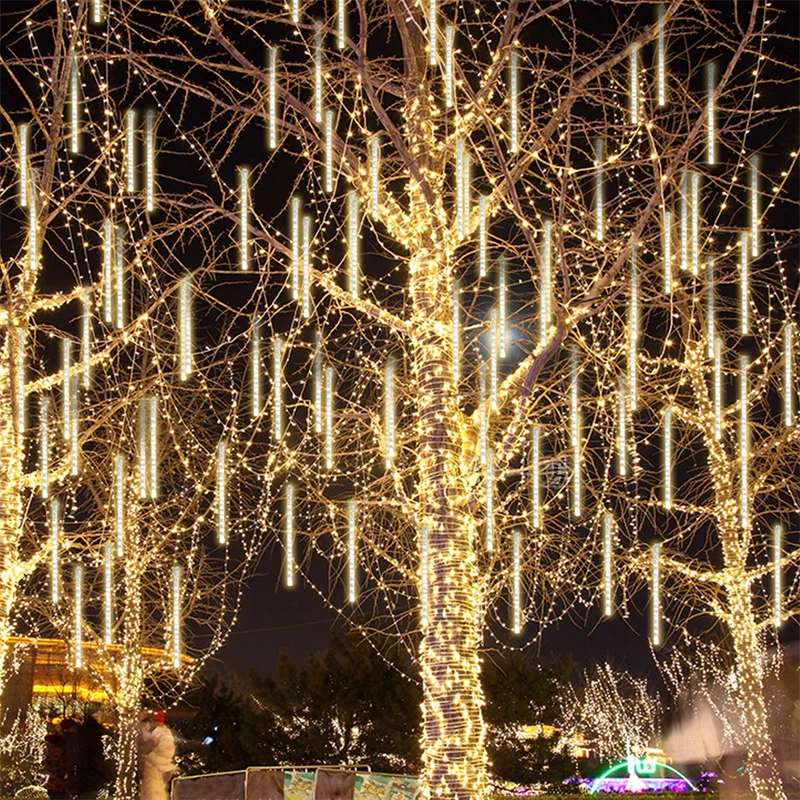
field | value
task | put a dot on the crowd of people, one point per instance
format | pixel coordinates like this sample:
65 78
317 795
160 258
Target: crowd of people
78 765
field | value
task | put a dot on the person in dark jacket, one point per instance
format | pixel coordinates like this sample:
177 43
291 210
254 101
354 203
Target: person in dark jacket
55 763
87 769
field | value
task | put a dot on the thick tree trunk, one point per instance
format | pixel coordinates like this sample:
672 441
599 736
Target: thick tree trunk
127 787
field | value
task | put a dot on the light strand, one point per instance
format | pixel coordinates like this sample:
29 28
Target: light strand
306 281
424 575
788 377
482 236
502 308
545 283
661 59
634 83
294 224
119 280
20 374
744 284
711 122
513 79
777 574
74 104
329 420
24 138
718 388
375 174
66 387
622 429
667 248
329 117
599 219
483 421
318 71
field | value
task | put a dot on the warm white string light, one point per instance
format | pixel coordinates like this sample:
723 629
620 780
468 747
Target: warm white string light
289 535
754 225
608 565
119 504
668 458
449 78
272 91
44 447
185 325
634 83
119 280
329 117
661 59
341 23
788 377
633 331
108 593
150 159
222 492
777 574
318 71
502 308
599 218
86 335
77 612
130 150
483 229
667 248
55 548
108 272
389 411
545 283
575 435
718 388
655 596
256 398
244 218
622 428
744 447
329 420
711 309
516 591
177 638
424 568
744 284
66 386
74 105
277 388
490 499
456 334
711 121
24 138
694 203
513 80
352 545
353 245
536 477
306 278
375 174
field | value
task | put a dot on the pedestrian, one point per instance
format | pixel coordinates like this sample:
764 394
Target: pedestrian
55 762
87 767
156 757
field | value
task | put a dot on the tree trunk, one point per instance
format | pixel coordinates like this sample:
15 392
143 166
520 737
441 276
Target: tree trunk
762 766
127 786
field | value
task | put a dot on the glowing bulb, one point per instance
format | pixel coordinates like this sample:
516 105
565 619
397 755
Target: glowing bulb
44 447
490 500
633 331
255 368
329 151
788 378
502 309
634 81
655 596
77 611
389 411
119 281
483 434
622 429
119 504
482 236
294 222
668 459
754 237
777 576
599 148
55 546
575 436
289 535
130 150
307 266
352 564
694 203
177 644
20 381
513 80
341 22
353 246
24 137
424 576
150 160
661 59
718 388
108 272
318 384
516 591
272 83
711 310
33 223
222 492
744 285
536 479
108 593
711 122
545 283
608 574
667 247
86 335
185 332
744 447
318 71
74 105
456 335
277 388
66 387
329 390
375 174
449 47
244 218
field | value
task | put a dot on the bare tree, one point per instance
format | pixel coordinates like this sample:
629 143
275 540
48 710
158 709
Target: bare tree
424 203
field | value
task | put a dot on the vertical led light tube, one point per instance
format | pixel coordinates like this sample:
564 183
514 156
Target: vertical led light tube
294 224
74 104
108 593
142 447
482 236
460 188
66 387
516 590
424 568
490 499
318 384
244 218
608 565
634 83
667 248
483 433
295 11
108 272
513 80
19 375
502 308
668 458
456 334
493 348
119 280
306 266
545 283
449 78
711 309
288 532
684 221
375 174
74 467
272 94
150 159
744 447
277 389
661 59
788 378
633 330
130 150
44 447
255 368
389 411
744 284
718 388
536 479
97 11
575 435
77 611
119 504
341 23
599 155
353 246
466 188
777 575
694 203
86 335
222 492
24 138
329 151
352 564
177 638
754 225
655 596
185 332
622 428
318 71
33 222
152 454
711 121
329 390
55 547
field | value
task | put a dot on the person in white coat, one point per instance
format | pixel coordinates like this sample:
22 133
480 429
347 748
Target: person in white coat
156 757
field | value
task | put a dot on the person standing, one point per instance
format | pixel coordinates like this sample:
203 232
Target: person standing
156 757
55 763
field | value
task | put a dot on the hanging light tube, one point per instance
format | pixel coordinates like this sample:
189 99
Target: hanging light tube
97 11
502 309
493 348
711 121
633 331
329 151
255 368
143 427
294 222
353 242
546 283
108 593
516 592
150 159
754 227
575 436
272 90
130 150
456 334
744 285
318 384
661 59
655 596
685 221
44 447
277 389
536 477
668 458
513 80
711 310
119 504
460 188
222 492
73 427
667 247
119 280
33 222
74 104
86 335
352 564
777 574
153 446
289 535
744 447
22 411
295 11
490 500
599 155
424 568
634 83
186 335
244 218
694 203
318 71
375 174
622 429
389 411
718 388
55 547
482 236
788 378
449 46
341 23
306 266
483 434
608 570
329 390
432 32
77 610
466 185
24 138
177 638
108 272
66 387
